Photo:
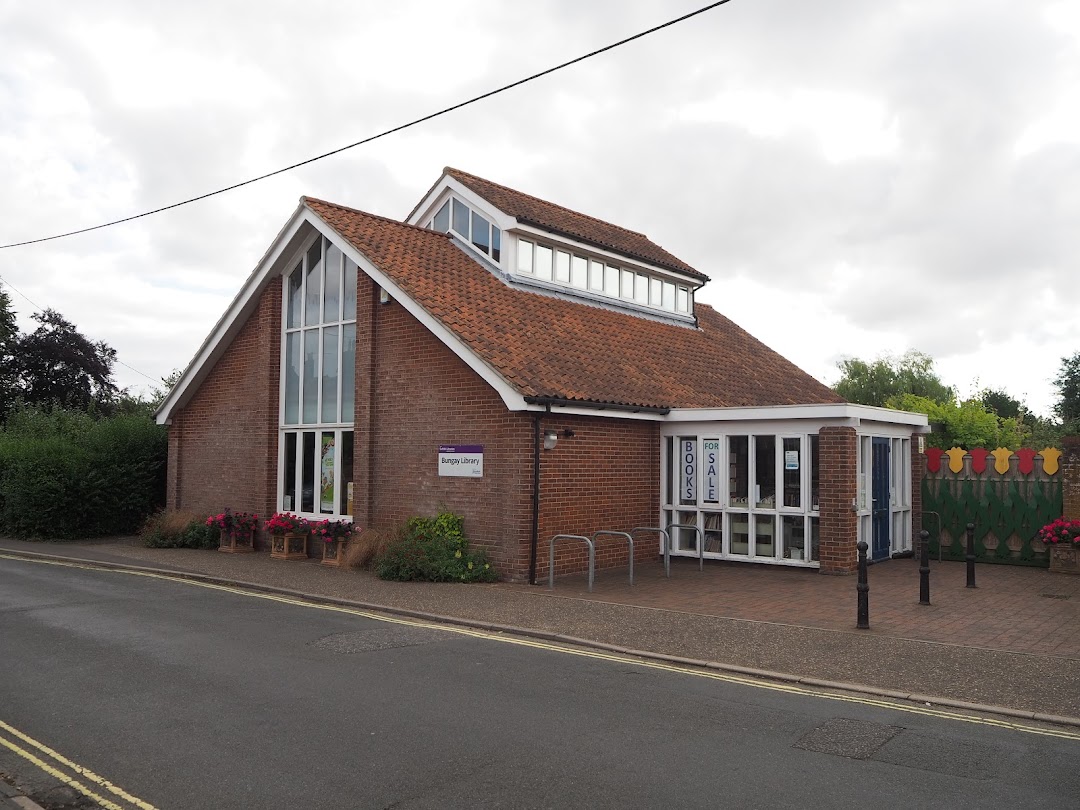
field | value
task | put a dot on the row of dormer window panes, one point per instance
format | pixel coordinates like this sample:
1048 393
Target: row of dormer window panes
551 264
470 226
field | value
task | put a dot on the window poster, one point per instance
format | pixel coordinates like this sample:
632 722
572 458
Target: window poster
791 459
711 449
326 497
688 464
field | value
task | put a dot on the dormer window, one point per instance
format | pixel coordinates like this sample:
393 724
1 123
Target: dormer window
549 263
456 216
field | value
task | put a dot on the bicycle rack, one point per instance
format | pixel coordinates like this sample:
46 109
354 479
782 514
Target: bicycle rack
700 541
666 539
629 539
551 556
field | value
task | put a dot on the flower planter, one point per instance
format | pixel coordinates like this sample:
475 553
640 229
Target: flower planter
1064 558
236 542
333 553
289 546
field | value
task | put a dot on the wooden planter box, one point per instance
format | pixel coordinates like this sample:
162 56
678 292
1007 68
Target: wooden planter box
1064 558
333 553
236 542
288 546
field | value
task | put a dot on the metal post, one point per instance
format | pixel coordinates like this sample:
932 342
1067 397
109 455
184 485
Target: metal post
863 621
924 567
971 555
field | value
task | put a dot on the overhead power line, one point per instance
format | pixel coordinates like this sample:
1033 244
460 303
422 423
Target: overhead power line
383 134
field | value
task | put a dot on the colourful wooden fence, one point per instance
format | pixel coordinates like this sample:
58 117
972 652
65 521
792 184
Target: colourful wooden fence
1008 495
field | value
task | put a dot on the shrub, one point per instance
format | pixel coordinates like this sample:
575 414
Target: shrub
365 547
434 550
66 474
177 529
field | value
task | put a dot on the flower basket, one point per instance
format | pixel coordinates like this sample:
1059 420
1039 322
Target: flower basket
288 536
334 535
237 541
237 531
1065 559
1062 540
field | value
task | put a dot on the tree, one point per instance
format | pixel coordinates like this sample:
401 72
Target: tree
889 377
9 333
8 330
966 424
1067 383
57 364
1005 406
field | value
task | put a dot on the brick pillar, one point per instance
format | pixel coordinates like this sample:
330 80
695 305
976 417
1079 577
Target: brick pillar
838 449
918 470
1070 477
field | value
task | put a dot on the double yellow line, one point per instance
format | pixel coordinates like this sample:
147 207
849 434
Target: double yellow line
68 772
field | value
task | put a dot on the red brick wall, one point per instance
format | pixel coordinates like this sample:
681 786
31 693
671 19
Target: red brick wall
223 443
838 449
413 394
605 476
423 396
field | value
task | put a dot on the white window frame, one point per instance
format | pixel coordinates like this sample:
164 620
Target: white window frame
339 426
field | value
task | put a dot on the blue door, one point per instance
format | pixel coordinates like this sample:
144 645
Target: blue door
879 486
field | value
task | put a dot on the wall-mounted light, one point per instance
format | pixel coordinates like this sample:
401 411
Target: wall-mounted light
384 296
551 438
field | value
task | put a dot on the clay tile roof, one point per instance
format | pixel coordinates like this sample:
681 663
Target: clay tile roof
556 219
550 347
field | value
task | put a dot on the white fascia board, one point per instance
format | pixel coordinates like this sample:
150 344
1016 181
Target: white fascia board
845 412
233 318
511 397
615 258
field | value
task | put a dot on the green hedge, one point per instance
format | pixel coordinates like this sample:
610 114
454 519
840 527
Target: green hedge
66 474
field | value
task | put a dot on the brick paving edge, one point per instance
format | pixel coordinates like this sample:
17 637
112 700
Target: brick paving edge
546 635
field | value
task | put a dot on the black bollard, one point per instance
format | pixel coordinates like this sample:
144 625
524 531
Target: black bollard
924 567
863 622
971 555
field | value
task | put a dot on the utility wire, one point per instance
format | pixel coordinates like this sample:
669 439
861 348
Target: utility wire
39 308
383 134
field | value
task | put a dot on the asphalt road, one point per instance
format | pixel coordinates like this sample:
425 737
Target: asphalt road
185 696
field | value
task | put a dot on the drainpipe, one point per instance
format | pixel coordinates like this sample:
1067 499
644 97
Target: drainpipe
535 539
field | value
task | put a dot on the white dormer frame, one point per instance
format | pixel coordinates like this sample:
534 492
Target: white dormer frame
513 230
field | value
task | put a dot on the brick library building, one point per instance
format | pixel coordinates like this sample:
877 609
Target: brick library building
537 371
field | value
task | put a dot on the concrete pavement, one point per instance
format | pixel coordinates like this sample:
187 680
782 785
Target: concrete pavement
1012 645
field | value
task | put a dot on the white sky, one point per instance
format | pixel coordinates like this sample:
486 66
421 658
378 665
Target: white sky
857 178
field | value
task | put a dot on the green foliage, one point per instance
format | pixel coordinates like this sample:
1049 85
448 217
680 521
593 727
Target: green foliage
65 474
1067 383
967 424
434 550
1001 403
167 529
883 379
56 364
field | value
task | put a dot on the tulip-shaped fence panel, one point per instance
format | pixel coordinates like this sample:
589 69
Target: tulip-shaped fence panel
1008 495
